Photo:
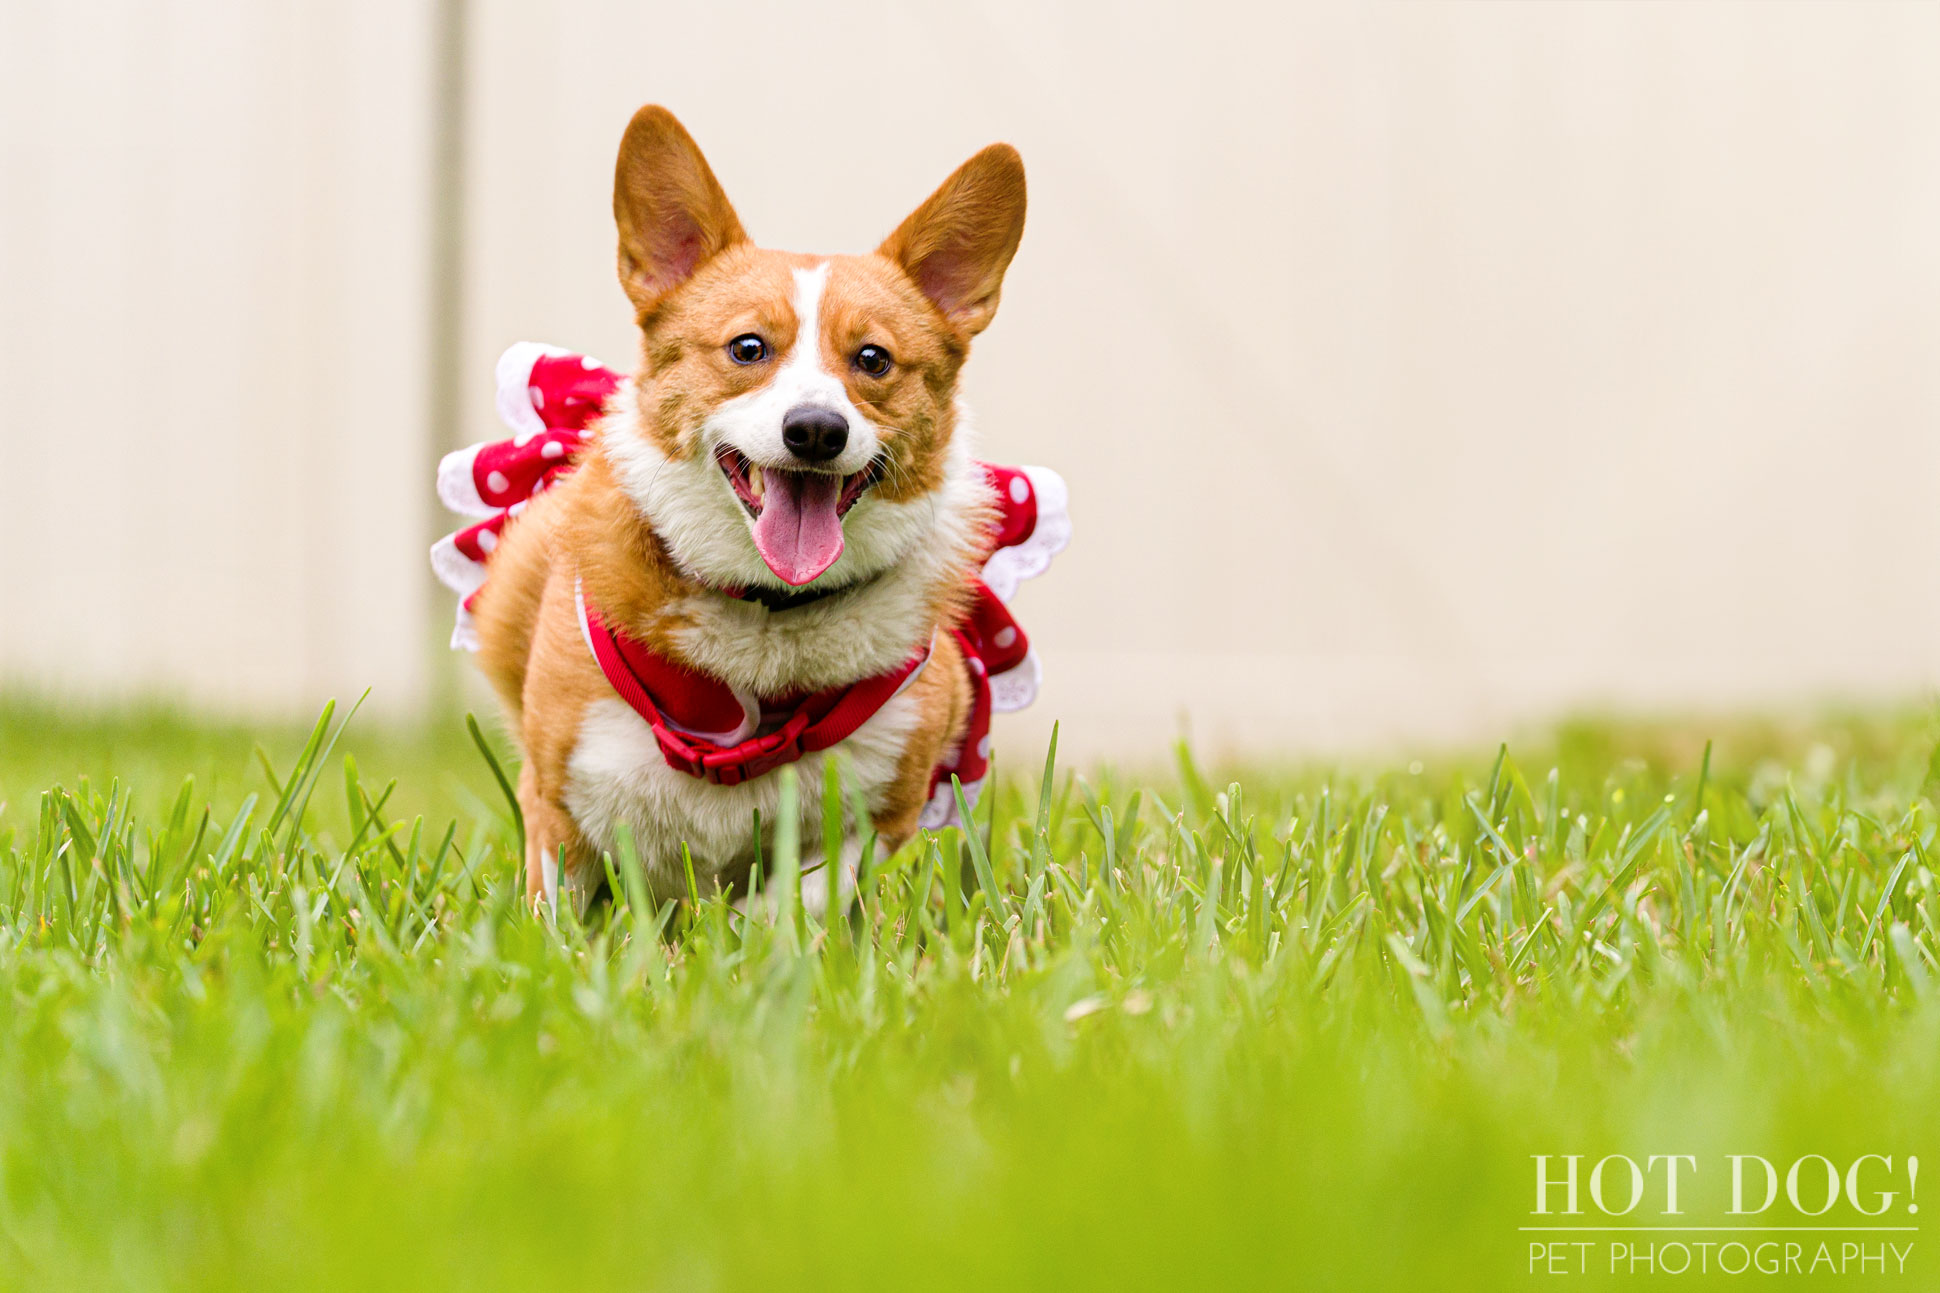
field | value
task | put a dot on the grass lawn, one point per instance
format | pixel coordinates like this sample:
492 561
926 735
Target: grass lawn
285 1026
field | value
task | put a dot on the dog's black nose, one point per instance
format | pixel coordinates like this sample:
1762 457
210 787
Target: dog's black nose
812 434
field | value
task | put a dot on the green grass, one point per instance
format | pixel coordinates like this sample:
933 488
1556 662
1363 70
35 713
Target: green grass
1163 1032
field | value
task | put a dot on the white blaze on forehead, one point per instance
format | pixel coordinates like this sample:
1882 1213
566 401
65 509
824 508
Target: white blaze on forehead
752 422
805 360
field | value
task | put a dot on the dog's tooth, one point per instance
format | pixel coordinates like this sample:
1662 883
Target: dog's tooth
755 483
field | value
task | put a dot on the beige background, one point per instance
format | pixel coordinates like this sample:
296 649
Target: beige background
1417 368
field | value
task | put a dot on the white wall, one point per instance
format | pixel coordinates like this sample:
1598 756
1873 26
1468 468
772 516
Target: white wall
1414 367
213 242
1417 368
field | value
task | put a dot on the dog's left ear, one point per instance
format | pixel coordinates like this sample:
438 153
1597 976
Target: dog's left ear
672 213
957 245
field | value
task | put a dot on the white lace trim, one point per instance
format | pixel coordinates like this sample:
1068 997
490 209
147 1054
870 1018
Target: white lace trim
941 810
1016 687
463 576
515 388
454 569
457 488
1009 567
464 634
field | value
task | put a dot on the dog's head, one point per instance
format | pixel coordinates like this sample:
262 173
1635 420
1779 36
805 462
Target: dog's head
796 414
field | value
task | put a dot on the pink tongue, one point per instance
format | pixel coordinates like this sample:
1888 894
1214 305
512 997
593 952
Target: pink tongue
798 533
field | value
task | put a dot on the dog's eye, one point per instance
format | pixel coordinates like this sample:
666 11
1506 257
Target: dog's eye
873 360
747 349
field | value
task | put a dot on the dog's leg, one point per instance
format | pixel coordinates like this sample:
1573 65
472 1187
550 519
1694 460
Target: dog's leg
816 883
555 851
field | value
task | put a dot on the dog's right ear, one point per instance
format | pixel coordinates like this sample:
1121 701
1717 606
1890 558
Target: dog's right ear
671 211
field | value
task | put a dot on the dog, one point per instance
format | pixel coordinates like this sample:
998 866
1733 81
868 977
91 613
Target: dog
769 545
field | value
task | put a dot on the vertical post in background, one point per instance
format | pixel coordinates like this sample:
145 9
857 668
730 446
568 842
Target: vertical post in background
445 316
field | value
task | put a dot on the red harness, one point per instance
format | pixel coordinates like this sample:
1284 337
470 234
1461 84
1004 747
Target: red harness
705 727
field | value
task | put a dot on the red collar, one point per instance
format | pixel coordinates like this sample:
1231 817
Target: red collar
708 729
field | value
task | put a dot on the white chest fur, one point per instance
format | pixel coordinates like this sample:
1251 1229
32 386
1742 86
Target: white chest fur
616 774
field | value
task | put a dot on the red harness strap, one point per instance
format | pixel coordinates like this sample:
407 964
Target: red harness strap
705 730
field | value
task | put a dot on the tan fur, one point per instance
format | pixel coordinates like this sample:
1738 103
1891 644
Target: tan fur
696 283
943 698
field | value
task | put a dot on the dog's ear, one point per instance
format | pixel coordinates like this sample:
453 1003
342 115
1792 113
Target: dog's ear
671 211
956 246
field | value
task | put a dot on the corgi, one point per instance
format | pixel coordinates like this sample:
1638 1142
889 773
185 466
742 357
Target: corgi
770 544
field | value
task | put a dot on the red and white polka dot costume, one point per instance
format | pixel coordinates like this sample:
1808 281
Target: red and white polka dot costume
551 398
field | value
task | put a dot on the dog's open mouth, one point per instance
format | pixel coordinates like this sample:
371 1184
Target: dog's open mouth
797 514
